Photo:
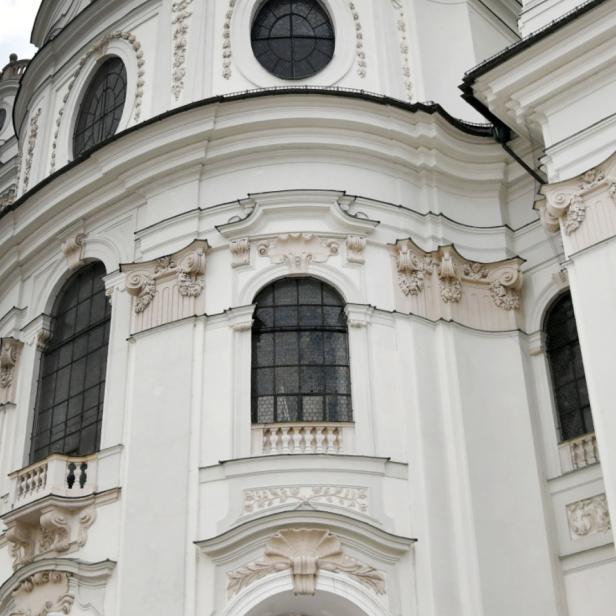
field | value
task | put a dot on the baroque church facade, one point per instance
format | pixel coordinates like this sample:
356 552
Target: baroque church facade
306 309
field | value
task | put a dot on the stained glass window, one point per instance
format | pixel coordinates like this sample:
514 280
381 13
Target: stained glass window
300 354
69 406
102 106
567 370
293 39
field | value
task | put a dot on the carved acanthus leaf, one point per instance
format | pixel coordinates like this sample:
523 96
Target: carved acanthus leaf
181 15
142 286
451 285
305 551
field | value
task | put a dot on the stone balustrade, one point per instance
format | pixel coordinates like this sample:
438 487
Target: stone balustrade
297 438
578 453
58 475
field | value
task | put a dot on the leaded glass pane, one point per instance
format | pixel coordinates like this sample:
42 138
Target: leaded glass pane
567 371
293 39
70 395
300 354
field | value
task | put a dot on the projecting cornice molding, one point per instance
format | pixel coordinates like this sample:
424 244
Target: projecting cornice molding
168 288
583 207
442 284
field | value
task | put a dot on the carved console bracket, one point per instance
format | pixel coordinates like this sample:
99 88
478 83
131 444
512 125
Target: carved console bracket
168 288
10 350
305 552
73 249
442 284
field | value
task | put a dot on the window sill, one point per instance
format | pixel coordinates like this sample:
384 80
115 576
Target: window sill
302 438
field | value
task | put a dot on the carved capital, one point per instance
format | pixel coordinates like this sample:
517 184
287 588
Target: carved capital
304 552
240 252
413 266
142 286
73 249
451 285
298 250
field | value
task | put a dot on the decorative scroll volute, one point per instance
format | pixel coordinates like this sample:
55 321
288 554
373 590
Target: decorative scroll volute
442 284
168 288
10 350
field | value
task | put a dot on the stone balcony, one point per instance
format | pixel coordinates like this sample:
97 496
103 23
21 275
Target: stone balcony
578 453
302 438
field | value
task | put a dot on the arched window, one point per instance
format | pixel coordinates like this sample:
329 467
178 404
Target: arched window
293 39
102 106
300 354
69 405
567 370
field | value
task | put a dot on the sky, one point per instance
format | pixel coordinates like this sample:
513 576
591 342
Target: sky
16 20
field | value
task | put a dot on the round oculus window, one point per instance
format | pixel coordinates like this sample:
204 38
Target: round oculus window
293 39
102 106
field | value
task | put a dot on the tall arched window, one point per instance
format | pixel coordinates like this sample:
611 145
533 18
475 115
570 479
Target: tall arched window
567 370
300 354
69 405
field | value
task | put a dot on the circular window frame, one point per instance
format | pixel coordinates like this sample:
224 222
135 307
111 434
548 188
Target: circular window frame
252 70
118 48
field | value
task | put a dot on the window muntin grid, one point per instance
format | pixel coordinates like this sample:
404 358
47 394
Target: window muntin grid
293 39
102 106
69 406
300 354
567 371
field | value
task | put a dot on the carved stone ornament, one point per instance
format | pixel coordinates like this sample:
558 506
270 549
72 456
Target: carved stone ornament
588 517
412 269
566 202
360 52
8 197
181 15
298 250
347 497
31 145
43 593
451 285
240 252
9 354
355 246
404 47
226 41
168 288
305 552
57 530
97 50
73 249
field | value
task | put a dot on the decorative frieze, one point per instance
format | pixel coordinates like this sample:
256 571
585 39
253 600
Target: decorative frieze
298 250
98 49
304 552
42 594
226 41
589 516
10 350
360 53
442 284
73 249
240 252
181 15
346 497
404 47
168 288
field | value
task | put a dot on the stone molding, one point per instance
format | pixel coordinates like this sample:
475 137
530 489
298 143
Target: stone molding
589 516
181 15
98 49
304 551
442 284
10 350
298 250
168 288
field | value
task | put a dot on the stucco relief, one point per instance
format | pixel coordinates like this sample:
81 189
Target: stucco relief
589 517
240 252
298 250
168 288
347 497
8 197
98 49
43 593
181 15
73 248
304 552
442 284
360 53
10 349
404 47
226 41
32 138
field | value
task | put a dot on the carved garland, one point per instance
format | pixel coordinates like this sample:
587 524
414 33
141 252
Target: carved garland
404 48
589 517
359 43
99 49
180 43
226 41
62 605
304 552
32 136
298 250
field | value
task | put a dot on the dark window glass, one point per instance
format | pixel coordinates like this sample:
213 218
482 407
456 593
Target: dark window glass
102 106
567 370
2 118
293 39
300 354
69 406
